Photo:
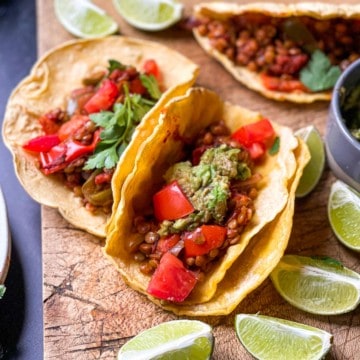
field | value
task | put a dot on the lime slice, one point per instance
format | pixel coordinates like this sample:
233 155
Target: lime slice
151 15
269 338
318 285
172 340
315 167
344 214
84 19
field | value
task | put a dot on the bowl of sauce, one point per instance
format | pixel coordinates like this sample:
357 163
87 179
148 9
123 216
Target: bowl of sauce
342 137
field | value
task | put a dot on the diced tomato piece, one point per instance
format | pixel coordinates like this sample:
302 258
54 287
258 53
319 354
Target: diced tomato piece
42 143
211 236
136 87
171 280
278 84
167 243
151 68
256 150
104 97
170 203
256 137
70 127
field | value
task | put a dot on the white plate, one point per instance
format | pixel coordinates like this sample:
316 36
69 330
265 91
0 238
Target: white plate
5 243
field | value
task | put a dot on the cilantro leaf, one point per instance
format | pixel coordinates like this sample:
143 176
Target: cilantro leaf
114 64
117 129
319 74
275 146
151 84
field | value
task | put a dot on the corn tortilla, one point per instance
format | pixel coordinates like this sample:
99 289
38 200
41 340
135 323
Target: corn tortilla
48 86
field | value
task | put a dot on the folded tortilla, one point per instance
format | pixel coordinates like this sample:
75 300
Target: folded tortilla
252 80
183 118
49 85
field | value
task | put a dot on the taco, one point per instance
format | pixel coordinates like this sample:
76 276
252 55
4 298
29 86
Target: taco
210 178
82 114
291 52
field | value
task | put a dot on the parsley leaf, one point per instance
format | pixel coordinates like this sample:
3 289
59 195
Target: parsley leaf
319 74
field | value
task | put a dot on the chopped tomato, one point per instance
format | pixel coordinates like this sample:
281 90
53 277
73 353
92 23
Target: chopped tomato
42 143
170 203
151 68
256 150
204 239
171 280
70 127
256 137
104 97
278 84
167 243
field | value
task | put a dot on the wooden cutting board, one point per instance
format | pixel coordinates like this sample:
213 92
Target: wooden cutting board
89 313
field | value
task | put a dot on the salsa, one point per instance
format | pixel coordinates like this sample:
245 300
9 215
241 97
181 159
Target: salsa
204 206
83 143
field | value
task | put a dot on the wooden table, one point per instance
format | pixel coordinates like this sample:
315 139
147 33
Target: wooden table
89 313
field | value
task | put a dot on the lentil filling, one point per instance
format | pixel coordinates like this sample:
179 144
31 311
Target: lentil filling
240 209
262 43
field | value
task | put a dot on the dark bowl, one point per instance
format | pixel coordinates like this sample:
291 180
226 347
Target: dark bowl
342 148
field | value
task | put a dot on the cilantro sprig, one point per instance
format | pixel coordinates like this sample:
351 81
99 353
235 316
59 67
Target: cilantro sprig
319 74
118 126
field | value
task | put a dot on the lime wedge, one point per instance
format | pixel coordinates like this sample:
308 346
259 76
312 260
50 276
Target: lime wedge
172 340
151 15
315 167
344 214
84 19
269 338
318 285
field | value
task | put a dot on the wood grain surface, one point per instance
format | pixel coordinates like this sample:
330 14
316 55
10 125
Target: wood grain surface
89 313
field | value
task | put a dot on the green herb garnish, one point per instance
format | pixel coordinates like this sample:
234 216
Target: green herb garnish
118 126
114 64
2 291
319 74
275 146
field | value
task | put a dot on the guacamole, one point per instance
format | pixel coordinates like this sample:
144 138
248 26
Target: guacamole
207 186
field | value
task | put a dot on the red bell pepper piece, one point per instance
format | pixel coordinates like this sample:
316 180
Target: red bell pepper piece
283 85
62 154
42 143
170 203
202 240
171 280
104 98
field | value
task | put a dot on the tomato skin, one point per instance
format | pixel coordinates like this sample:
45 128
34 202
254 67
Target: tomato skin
42 143
171 280
170 203
104 97
255 137
212 235
70 127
